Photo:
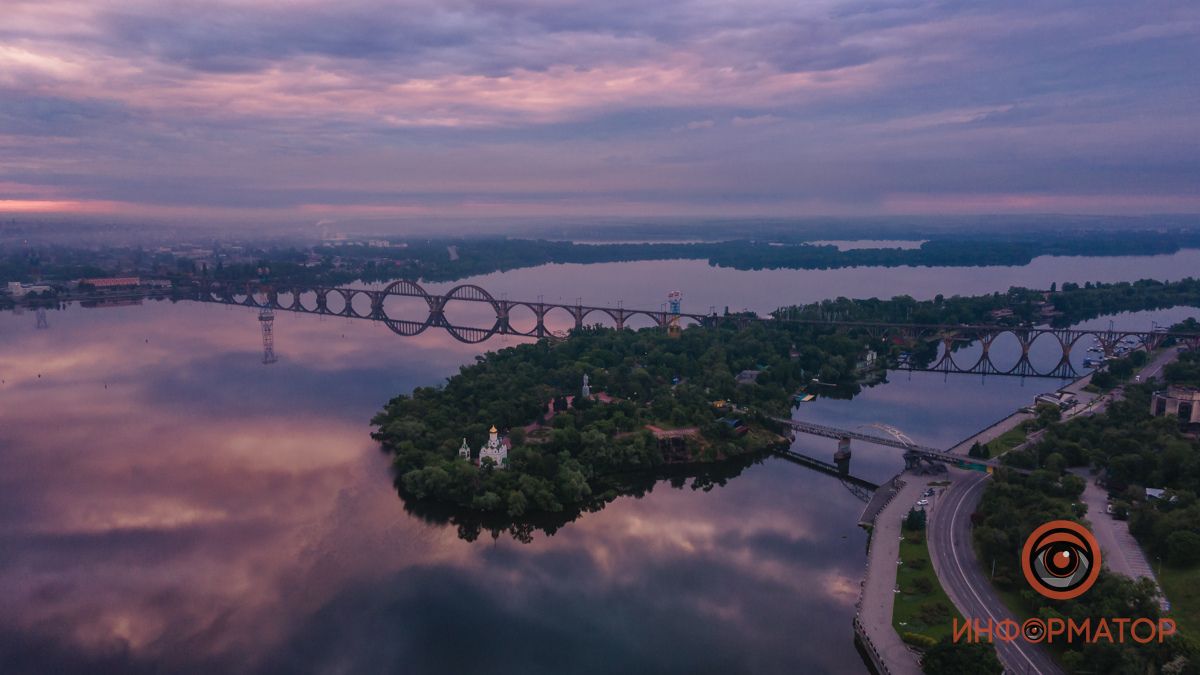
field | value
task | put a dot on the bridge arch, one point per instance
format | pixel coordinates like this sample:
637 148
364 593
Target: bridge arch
407 328
360 304
1048 352
466 305
405 287
334 300
601 316
284 299
643 320
559 320
404 306
523 319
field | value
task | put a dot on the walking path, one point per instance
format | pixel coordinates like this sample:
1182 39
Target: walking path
992 433
878 590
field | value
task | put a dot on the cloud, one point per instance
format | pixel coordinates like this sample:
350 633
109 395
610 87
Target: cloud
237 109
755 120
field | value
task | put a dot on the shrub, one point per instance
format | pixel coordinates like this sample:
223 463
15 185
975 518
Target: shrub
918 640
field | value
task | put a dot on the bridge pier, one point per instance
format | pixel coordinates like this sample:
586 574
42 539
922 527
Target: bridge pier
842 456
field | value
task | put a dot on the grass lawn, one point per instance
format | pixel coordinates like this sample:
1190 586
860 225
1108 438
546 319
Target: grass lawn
1182 587
921 606
1008 440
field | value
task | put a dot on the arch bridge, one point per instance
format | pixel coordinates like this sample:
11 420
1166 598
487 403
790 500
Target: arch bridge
358 303
1062 342
345 302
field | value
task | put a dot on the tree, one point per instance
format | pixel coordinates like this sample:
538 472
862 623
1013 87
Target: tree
1183 548
961 658
1048 414
915 520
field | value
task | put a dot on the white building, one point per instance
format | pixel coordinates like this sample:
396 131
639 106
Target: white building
496 448
464 450
19 290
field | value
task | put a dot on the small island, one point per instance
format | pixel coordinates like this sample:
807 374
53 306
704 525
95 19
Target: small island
556 426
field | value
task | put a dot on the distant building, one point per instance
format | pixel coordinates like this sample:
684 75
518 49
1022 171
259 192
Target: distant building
113 282
586 390
18 289
1183 402
464 450
747 376
1161 494
998 314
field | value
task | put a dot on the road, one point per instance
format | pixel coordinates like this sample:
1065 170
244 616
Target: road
962 574
965 580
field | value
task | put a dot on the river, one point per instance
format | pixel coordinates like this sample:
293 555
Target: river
170 503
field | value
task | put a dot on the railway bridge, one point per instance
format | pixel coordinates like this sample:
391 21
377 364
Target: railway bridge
359 303
339 301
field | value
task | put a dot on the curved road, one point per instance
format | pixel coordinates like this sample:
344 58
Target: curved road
963 577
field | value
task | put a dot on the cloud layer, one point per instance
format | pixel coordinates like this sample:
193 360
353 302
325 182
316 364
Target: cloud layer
301 110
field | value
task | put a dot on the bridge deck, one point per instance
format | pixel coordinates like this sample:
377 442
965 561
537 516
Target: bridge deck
825 467
834 432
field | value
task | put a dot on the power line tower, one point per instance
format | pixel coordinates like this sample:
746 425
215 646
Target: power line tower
41 318
674 302
266 318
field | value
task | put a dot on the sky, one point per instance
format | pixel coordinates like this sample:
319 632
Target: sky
308 111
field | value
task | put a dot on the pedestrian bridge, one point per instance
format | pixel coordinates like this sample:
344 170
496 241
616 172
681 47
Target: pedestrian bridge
914 454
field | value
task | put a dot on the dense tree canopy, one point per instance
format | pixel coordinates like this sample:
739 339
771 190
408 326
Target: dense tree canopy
570 456
961 658
1069 305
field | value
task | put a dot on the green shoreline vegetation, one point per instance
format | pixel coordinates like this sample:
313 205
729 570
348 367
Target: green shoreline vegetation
659 400
922 613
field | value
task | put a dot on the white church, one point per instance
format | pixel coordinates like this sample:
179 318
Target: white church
496 448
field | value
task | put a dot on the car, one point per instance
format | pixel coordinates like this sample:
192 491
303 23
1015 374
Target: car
923 502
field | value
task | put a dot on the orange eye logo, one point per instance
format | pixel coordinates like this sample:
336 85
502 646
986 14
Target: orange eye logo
1061 559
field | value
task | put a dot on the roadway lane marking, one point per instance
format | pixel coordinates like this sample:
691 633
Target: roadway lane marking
962 572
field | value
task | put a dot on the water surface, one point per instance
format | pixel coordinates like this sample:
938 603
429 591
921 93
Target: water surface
170 503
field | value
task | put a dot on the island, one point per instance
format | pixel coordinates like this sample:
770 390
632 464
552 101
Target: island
558 425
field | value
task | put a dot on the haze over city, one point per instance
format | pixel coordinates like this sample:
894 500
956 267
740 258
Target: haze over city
264 112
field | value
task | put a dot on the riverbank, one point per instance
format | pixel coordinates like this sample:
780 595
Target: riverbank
875 603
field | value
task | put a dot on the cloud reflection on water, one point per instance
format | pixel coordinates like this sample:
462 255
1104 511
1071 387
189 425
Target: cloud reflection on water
203 512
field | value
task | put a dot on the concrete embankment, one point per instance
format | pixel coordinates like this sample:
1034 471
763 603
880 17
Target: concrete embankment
873 621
